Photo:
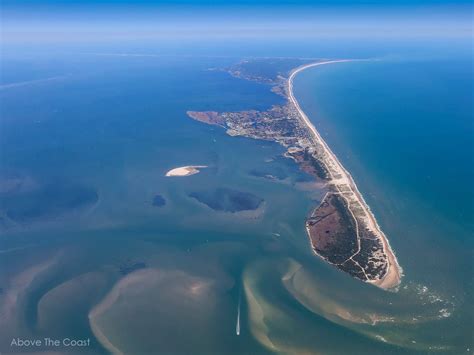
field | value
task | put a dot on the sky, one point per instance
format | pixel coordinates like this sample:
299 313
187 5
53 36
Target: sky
59 20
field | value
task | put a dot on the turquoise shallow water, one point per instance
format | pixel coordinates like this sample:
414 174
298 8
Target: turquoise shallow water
116 124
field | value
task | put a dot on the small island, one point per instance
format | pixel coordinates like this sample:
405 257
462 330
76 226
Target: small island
185 170
342 229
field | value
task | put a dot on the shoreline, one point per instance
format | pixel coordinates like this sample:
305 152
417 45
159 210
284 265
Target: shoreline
393 274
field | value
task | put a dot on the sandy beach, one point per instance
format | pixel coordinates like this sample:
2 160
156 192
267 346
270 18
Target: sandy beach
185 170
345 185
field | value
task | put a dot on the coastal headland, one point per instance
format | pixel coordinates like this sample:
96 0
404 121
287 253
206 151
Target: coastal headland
342 229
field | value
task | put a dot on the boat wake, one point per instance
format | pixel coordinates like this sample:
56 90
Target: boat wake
237 325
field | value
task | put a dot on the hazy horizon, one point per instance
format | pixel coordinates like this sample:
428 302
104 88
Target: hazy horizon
34 21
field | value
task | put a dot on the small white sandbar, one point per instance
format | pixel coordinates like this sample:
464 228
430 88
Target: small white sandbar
186 170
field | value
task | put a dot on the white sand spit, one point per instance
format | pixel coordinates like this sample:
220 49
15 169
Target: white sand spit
186 170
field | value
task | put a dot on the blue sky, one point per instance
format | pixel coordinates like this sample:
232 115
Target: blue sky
233 2
72 19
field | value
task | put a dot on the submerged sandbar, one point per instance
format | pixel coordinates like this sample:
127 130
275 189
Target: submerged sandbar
228 200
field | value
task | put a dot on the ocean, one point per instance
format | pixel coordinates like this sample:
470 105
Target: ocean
404 128
86 252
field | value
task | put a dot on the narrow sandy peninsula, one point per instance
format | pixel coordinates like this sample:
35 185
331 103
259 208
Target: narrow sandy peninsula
185 170
342 229
344 186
